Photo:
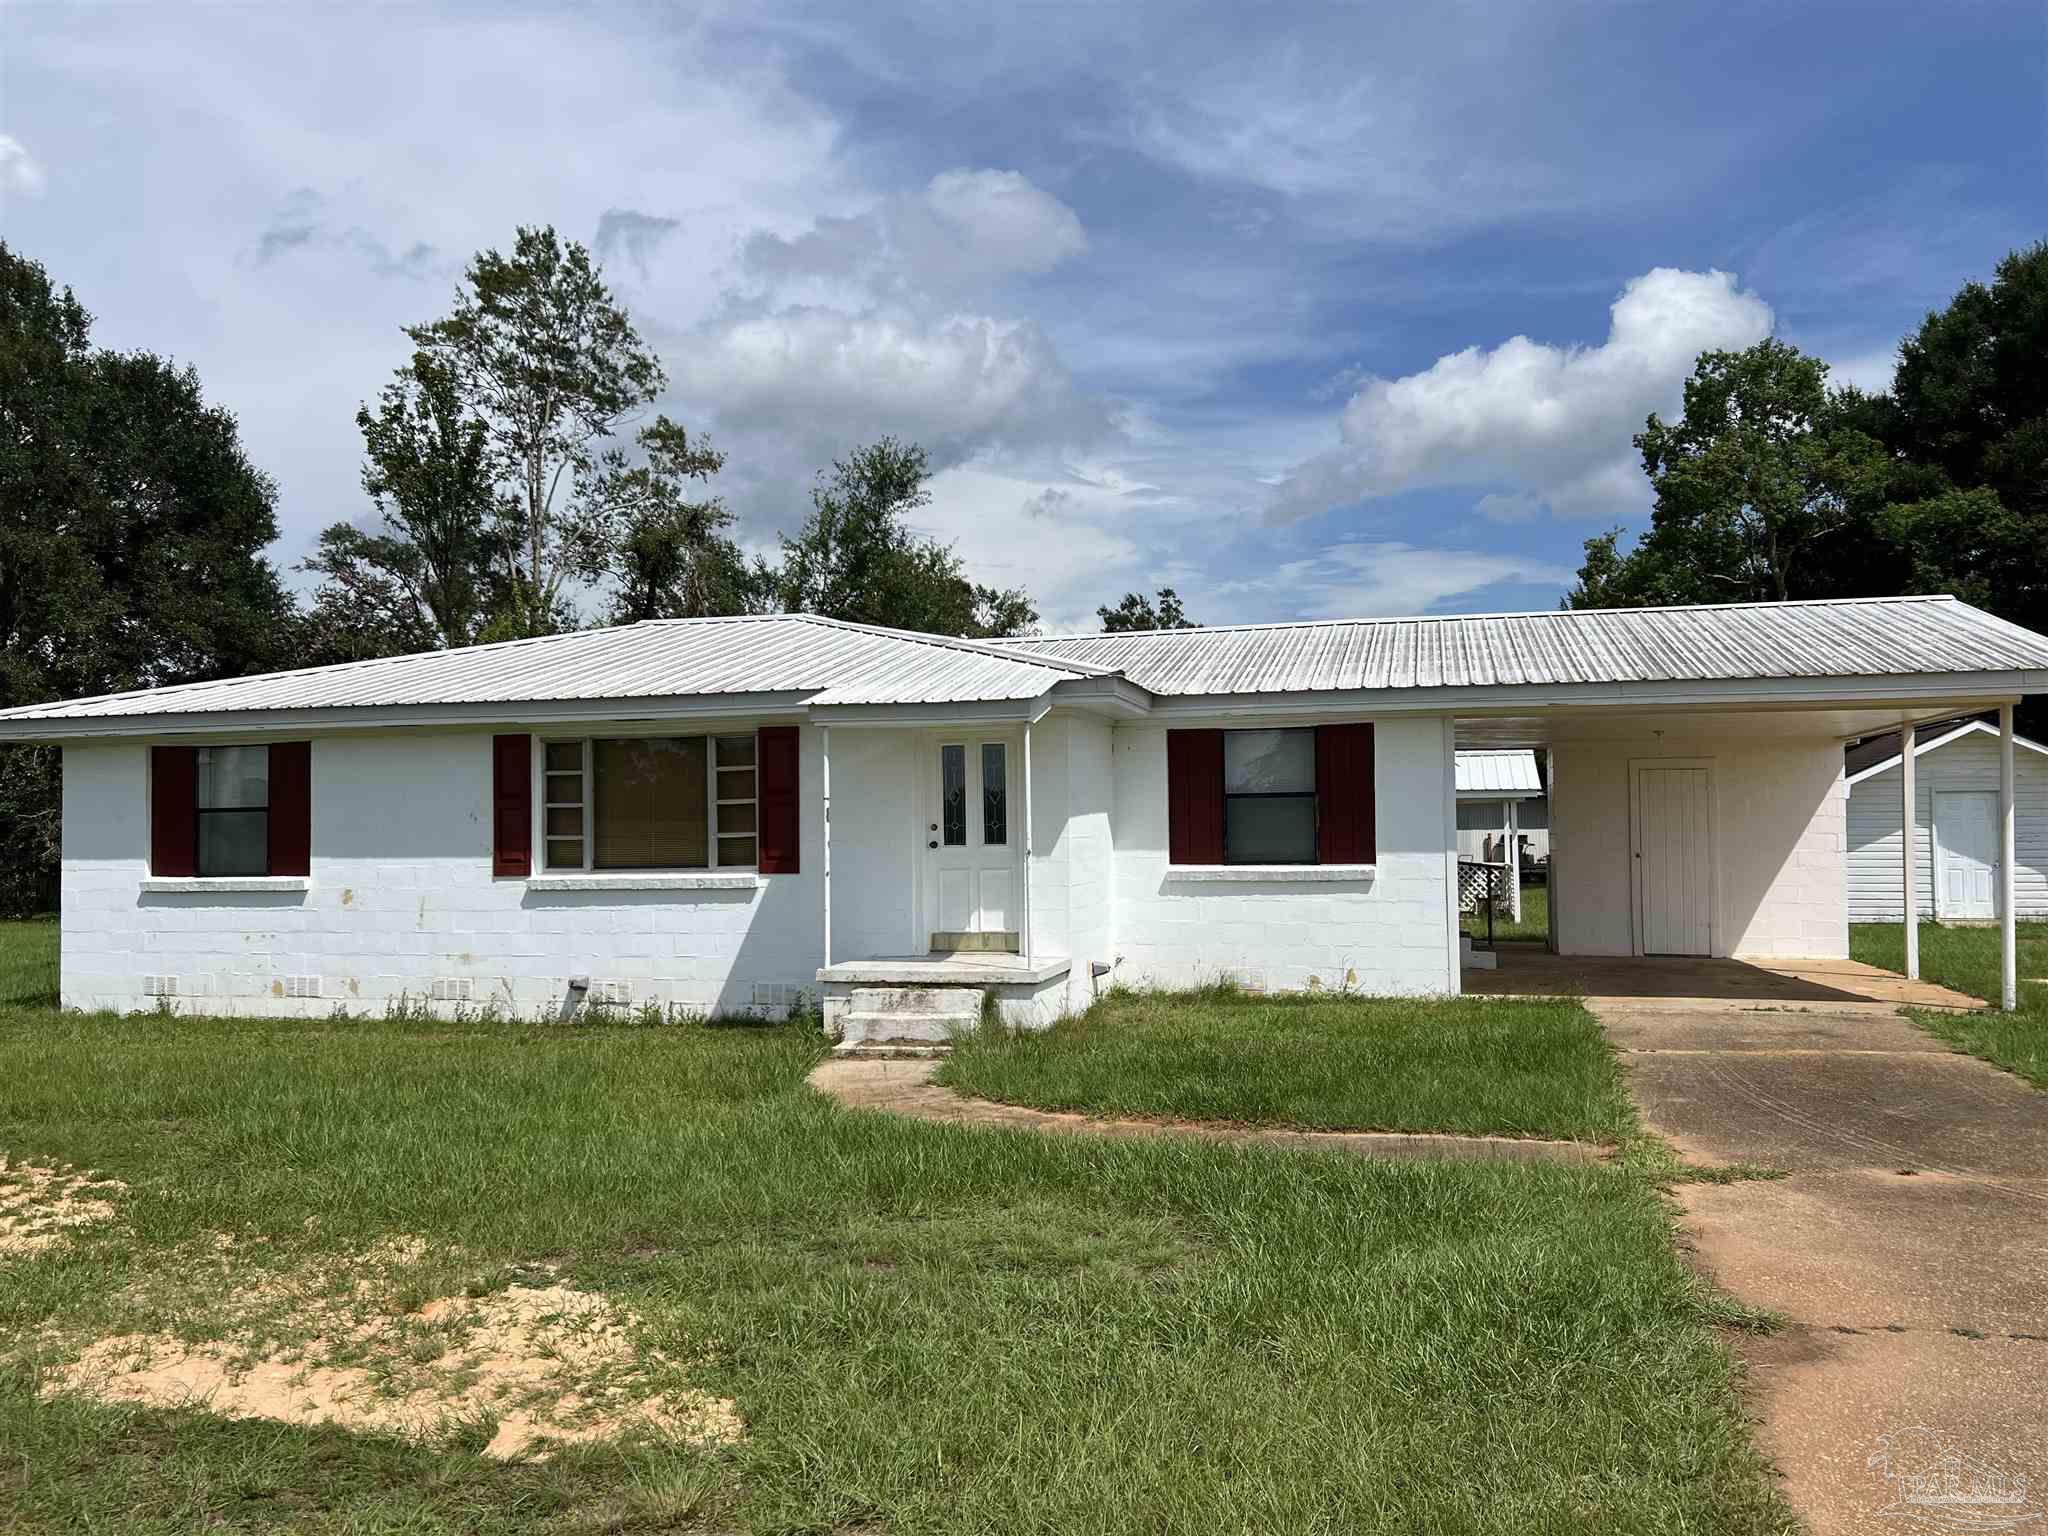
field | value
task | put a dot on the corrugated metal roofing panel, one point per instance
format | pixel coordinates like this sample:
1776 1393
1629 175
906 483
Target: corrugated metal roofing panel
820 660
1511 771
1872 637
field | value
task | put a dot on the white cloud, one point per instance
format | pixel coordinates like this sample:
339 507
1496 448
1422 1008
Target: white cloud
956 382
964 227
1870 371
19 171
1368 579
1554 422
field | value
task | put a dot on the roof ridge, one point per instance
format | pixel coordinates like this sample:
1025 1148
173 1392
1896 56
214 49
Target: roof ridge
995 648
1454 618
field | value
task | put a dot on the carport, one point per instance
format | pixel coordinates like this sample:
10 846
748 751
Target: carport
1698 808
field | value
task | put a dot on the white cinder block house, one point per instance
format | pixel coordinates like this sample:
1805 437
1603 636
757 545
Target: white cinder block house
730 813
1956 873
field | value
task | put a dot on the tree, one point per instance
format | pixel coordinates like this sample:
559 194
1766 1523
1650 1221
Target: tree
858 558
1756 480
131 530
435 572
1966 421
1136 612
495 461
674 560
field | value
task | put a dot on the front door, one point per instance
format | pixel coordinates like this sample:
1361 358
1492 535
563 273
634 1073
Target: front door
1966 853
972 837
1674 843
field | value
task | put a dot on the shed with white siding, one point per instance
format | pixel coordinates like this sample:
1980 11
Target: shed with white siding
1956 800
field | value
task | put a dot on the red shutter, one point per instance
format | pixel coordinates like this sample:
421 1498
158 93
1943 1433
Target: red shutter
1194 797
775 751
291 808
1345 832
512 805
174 811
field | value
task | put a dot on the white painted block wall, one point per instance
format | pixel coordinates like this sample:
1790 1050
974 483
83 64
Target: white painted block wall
402 895
1779 825
1387 934
1970 763
1073 871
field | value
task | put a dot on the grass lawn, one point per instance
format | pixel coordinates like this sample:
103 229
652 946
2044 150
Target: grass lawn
1506 1066
1967 960
1533 924
925 1328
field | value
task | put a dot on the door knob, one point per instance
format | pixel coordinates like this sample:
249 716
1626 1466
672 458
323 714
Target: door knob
933 843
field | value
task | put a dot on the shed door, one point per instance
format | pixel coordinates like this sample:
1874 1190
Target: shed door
1966 853
1674 876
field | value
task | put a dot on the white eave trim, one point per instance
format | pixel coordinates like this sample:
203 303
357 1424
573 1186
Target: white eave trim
1922 747
1272 874
707 880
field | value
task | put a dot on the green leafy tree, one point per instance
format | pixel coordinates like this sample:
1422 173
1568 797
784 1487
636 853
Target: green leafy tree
435 571
132 526
858 557
1967 423
1137 611
674 559
1755 484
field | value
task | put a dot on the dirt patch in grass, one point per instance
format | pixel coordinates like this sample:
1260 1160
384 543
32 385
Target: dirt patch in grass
40 1207
522 1368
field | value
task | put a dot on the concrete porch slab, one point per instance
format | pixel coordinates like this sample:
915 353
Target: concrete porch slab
1529 970
954 970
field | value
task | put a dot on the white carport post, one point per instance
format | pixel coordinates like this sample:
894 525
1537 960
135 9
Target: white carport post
1514 864
825 799
1909 837
2008 935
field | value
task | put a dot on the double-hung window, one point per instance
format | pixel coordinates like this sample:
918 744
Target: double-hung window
233 810
1269 797
650 803
1299 795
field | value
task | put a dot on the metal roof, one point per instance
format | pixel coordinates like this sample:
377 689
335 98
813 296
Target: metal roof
1865 637
824 661
1509 773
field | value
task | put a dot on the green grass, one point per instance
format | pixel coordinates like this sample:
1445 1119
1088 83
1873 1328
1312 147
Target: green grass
1478 1066
928 1328
28 963
1967 960
1533 924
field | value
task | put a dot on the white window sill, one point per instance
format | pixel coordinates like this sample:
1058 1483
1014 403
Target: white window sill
706 880
208 885
1272 874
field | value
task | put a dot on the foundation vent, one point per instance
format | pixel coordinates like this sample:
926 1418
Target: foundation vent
301 986
779 996
452 989
611 994
159 986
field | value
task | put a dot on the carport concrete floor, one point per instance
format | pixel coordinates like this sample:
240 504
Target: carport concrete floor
1907 1248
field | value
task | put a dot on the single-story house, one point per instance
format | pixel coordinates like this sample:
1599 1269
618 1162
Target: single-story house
1503 818
738 813
1956 871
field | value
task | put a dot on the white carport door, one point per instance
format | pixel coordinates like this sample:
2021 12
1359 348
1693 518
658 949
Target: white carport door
1966 853
1674 878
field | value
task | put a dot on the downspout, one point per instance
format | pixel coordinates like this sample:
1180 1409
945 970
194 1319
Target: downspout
825 768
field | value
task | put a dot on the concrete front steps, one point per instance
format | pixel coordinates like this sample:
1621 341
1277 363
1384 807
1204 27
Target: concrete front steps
906 1021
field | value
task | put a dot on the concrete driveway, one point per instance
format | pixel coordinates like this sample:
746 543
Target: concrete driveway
1908 1247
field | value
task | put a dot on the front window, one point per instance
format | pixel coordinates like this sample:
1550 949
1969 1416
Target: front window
650 803
1269 797
234 810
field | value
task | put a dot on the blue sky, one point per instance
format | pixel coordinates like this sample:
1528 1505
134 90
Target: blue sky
1304 310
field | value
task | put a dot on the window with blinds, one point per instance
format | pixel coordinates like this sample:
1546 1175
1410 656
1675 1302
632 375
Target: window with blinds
650 803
